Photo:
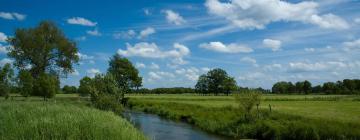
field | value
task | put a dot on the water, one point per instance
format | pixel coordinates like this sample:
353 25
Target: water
157 128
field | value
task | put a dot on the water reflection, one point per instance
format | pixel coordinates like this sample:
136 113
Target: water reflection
157 128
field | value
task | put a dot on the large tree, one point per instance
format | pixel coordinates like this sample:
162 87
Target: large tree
43 49
215 81
124 73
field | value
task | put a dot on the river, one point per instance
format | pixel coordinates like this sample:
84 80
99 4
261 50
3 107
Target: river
157 128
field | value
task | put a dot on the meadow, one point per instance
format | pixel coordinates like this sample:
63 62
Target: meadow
315 116
65 118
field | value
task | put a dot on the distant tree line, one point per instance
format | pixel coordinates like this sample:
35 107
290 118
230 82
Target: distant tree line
347 86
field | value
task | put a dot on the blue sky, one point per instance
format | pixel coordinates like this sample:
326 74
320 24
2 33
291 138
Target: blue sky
173 42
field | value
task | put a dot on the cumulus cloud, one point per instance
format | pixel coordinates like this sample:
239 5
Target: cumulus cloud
151 50
223 48
357 20
249 60
12 16
274 45
146 32
75 73
273 67
154 66
191 73
174 18
5 61
158 75
256 14
309 49
3 49
94 32
350 45
125 35
140 65
81 21
92 72
84 56
3 37
81 38
318 66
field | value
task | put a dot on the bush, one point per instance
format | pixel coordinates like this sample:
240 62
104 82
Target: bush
46 86
247 100
6 74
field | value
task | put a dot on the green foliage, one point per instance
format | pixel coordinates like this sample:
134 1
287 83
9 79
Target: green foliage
69 89
49 121
215 81
247 101
46 85
25 83
6 75
124 73
45 48
85 85
105 93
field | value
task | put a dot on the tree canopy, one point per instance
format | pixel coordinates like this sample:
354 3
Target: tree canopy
43 49
215 81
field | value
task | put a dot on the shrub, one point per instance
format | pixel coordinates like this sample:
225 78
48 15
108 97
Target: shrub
247 100
46 86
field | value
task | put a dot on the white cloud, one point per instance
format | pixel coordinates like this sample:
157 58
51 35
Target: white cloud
12 16
146 32
275 45
3 37
154 66
140 65
147 12
3 49
151 50
205 69
350 45
94 32
158 75
230 48
125 35
191 73
357 20
249 60
84 56
92 72
256 14
309 49
5 61
81 21
252 76
81 38
318 66
273 67
174 18
75 73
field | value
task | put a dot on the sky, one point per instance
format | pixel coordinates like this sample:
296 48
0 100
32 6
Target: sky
173 42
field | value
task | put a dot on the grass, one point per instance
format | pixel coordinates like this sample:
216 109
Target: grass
292 116
61 120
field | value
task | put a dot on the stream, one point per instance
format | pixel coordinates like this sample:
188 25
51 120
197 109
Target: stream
157 128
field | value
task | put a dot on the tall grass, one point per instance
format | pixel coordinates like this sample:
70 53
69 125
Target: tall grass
268 125
46 120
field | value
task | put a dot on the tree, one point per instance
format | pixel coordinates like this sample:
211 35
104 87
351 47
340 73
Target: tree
216 78
84 88
247 100
202 85
299 86
124 73
44 49
69 89
307 87
6 75
229 85
25 83
46 85
283 87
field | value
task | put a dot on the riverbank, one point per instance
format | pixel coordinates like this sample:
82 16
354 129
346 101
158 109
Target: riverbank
227 120
61 120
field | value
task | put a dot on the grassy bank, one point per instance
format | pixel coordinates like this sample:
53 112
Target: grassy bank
47 120
288 120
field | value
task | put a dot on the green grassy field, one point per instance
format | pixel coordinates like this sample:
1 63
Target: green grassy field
33 119
325 116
